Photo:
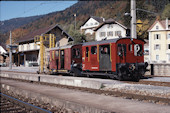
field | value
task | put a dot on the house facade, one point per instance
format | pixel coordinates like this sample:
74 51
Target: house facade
28 51
4 60
90 24
159 42
110 29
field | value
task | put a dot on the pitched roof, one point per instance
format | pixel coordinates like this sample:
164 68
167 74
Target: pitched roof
3 45
108 41
99 19
45 30
162 22
110 21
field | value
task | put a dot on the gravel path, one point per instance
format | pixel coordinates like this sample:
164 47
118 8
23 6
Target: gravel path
158 91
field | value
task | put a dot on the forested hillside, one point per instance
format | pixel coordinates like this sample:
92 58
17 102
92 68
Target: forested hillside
108 9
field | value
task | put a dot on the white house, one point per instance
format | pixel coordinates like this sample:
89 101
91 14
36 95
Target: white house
2 50
110 29
159 41
90 24
3 55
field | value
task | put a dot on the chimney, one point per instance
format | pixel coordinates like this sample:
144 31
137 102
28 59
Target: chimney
166 24
103 19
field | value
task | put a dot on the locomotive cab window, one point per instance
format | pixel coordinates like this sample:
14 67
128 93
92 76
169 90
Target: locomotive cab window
130 47
138 50
76 53
105 49
121 49
93 50
56 53
87 50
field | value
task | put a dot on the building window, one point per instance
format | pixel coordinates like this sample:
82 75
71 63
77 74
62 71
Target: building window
93 50
157 27
109 26
157 36
110 33
169 57
168 46
168 36
157 57
102 34
157 47
117 33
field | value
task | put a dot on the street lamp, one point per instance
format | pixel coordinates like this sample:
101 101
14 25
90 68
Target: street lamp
75 21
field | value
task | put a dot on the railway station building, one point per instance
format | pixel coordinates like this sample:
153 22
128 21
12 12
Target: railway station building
28 51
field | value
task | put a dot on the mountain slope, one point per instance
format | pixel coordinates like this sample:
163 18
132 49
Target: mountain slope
12 24
83 9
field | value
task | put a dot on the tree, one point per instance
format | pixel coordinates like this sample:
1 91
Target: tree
166 11
78 37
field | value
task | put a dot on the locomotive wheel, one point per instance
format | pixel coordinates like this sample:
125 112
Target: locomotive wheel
120 77
136 78
89 76
75 75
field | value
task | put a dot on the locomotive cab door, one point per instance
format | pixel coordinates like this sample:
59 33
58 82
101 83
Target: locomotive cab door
62 59
104 58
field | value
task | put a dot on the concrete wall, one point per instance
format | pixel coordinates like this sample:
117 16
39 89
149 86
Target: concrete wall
160 69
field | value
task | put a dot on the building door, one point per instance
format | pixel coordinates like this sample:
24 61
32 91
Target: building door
104 58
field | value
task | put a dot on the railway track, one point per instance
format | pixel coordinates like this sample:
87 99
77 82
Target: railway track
12 105
126 95
155 83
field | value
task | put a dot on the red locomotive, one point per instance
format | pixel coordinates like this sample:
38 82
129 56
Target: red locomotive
119 58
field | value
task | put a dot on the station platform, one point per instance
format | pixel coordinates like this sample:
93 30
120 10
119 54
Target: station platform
82 102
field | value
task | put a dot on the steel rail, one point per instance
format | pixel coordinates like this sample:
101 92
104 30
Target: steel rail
24 104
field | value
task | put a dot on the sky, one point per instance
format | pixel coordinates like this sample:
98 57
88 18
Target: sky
15 9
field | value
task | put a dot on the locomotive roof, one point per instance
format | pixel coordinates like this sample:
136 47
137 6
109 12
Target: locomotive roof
63 47
106 41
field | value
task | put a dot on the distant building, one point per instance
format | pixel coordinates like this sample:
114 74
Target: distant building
90 24
28 51
4 60
159 42
110 29
146 51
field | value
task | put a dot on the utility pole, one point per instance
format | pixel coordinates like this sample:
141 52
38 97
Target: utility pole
133 19
10 51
